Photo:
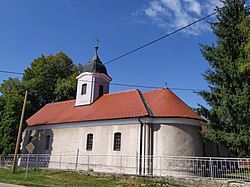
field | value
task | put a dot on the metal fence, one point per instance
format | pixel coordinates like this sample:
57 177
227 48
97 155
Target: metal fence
225 168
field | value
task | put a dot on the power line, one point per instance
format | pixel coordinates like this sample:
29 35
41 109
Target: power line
150 87
127 85
138 48
160 38
147 44
11 72
154 87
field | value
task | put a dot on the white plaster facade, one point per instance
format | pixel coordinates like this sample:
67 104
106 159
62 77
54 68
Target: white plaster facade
139 139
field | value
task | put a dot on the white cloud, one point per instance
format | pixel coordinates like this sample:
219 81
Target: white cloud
193 6
154 9
174 14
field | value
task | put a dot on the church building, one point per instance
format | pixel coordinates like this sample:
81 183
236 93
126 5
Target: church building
127 123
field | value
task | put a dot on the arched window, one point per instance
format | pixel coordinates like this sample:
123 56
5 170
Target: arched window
117 141
47 142
84 89
89 145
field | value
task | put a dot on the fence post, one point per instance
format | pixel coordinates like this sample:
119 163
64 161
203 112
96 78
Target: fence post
211 167
160 165
60 161
37 156
27 166
88 162
4 160
121 164
77 154
136 163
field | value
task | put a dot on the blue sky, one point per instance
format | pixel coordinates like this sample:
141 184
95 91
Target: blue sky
31 28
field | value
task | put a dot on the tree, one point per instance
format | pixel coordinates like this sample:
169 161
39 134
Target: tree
49 79
66 87
229 97
245 28
11 105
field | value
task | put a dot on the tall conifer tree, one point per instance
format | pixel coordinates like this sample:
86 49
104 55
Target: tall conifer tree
229 96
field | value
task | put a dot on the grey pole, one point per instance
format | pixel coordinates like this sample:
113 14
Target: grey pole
19 134
77 155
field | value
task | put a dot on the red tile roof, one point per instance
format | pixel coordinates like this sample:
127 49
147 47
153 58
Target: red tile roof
127 104
164 103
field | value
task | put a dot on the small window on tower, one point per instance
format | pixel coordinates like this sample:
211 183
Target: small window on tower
100 90
84 89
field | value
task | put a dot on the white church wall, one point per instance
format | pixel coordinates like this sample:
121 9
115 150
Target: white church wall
104 139
103 144
66 141
176 140
169 139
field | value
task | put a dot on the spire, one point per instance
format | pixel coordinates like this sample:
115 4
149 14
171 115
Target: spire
166 85
97 45
96 49
95 65
94 70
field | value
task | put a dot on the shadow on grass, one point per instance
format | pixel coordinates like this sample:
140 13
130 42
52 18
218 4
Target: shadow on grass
65 178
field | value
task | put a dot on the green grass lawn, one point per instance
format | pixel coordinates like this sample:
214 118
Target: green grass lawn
66 178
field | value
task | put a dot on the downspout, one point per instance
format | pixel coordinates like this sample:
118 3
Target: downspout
140 151
148 136
149 114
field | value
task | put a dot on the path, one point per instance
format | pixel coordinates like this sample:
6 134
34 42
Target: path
9 185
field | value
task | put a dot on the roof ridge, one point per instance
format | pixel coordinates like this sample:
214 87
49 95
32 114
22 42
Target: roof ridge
146 105
183 102
57 102
167 89
156 89
120 92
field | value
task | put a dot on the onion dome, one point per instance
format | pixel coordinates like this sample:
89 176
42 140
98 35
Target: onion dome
95 65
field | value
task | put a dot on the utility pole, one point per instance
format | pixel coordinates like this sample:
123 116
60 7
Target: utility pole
19 134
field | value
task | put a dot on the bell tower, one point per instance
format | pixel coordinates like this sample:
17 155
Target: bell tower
93 82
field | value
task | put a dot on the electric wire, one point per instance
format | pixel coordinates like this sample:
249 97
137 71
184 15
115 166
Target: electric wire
150 87
129 85
139 48
11 72
160 38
